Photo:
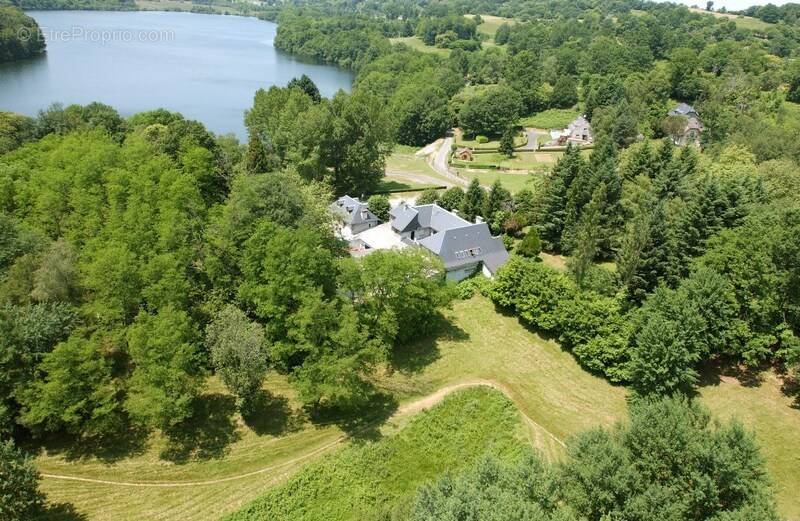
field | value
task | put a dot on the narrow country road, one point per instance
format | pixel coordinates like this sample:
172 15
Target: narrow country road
440 162
408 409
533 140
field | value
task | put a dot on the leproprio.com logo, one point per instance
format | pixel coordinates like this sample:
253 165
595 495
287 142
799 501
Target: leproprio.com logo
101 36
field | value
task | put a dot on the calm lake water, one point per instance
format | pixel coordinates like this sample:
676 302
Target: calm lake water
206 67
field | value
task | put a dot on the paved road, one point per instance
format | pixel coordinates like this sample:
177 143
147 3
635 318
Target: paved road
440 162
533 139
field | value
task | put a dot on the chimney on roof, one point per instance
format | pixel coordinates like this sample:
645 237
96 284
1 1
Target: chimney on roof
478 219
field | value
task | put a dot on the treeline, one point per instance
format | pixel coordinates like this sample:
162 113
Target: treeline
139 256
706 260
347 41
20 36
90 5
771 13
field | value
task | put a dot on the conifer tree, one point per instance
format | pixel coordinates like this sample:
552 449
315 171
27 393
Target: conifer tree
640 162
473 201
551 213
654 257
587 236
497 199
602 169
507 142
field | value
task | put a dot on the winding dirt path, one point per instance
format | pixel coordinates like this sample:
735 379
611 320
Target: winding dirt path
407 409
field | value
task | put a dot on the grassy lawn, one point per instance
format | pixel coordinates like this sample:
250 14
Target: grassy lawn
775 418
225 446
513 182
478 343
551 118
537 161
415 43
378 479
744 22
491 23
404 169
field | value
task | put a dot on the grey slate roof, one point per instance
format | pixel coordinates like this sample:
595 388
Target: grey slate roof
352 211
406 218
467 245
457 241
682 109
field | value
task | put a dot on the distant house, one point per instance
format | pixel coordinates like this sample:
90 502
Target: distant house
464 247
693 128
683 109
354 215
464 154
579 132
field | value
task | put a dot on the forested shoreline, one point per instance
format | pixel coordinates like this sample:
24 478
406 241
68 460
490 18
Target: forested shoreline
20 36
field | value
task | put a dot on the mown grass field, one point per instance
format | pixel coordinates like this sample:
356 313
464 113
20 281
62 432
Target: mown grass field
744 22
513 182
550 118
376 480
490 24
406 170
415 43
477 343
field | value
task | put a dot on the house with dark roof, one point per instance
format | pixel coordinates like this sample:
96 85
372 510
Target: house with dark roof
692 129
464 247
354 215
579 133
684 109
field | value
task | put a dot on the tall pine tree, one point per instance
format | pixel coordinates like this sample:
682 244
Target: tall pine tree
473 201
551 212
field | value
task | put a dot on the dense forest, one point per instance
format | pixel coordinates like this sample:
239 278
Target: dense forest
138 256
20 36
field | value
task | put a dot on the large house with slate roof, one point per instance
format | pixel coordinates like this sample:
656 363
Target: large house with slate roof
354 215
464 247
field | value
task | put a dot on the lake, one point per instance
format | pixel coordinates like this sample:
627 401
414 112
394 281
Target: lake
206 67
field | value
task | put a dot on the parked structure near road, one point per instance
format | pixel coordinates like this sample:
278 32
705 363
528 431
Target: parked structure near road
464 247
464 154
354 215
579 133
693 129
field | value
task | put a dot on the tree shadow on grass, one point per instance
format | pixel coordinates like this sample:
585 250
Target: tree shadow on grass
791 387
129 440
272 415
60 512
711 373
359 423
208 434
413 357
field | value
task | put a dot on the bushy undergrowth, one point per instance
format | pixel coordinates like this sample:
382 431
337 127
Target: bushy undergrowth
377 479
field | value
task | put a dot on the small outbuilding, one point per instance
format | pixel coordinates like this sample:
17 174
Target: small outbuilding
464 154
